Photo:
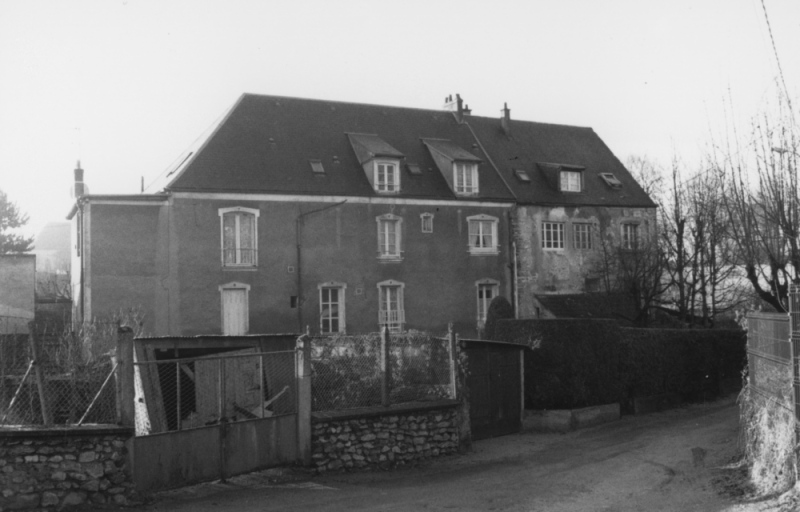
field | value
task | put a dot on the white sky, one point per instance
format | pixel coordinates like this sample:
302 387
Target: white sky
125 86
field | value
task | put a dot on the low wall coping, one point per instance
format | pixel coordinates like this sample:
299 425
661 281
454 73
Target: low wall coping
369 412
66 431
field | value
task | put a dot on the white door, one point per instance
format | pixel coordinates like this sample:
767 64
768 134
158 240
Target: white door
235 312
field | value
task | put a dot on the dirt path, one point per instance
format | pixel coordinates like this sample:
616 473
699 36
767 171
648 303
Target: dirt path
659 462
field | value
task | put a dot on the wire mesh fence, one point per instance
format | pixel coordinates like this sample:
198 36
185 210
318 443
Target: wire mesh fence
183 393
48 379
374 369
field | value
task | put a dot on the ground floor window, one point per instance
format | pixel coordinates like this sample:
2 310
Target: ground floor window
487 289
331 307
391 312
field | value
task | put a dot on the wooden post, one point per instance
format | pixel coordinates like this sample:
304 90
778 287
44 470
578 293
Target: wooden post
126 411
303 373
39 376
522 386
453 352
386 367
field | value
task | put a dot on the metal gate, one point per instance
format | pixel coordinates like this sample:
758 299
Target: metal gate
211 413
495 384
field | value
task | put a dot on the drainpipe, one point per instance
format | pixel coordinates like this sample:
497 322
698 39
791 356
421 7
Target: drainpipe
298 232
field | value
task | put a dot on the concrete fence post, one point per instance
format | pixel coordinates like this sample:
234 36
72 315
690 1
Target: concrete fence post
452 352
303 373
126 412
386 367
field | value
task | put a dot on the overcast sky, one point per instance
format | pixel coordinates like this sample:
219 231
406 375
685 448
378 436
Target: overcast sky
126 86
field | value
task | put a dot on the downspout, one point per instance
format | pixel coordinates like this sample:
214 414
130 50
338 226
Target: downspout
82 248
298 224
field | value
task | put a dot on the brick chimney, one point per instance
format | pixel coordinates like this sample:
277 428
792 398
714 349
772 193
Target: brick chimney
505 123
80 187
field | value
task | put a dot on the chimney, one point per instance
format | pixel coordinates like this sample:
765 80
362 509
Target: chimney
505 120
80 188
456 107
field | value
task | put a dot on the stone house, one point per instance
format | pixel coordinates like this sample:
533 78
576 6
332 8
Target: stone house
297 213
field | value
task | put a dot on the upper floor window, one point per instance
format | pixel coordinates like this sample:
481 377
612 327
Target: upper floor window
582 236
630 236
389 237
387 176
427 222
465 177
570 181
482 234
391 312
552 235
331 307
239 236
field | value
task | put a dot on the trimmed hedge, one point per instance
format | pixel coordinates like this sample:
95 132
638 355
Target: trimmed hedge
583 362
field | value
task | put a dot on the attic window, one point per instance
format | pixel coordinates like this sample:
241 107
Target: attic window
522 175
316 166
611 180
570 180
414 169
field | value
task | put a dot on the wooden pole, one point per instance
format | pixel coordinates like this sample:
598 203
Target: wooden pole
386 370
303 376
126 411
39 376
451 350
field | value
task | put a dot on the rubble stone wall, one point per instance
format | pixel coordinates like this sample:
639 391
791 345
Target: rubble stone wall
61 468
383 438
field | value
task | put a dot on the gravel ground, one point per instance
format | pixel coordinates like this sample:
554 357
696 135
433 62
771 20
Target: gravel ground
680 460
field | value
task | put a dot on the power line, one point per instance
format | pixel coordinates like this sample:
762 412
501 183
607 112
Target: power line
777 59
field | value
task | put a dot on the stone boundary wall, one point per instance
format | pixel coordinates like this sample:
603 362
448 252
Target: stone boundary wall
384 437
61 468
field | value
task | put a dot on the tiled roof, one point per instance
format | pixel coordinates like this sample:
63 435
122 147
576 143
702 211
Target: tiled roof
266 142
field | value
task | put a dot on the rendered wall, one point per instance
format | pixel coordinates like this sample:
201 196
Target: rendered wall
567 270
17 296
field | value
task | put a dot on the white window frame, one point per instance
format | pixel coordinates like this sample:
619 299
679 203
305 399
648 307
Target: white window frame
629 235
237 247
571 181
465 178
385 185
483 304
553 235
427 222
235 286
395 321
340 307
579 242
477 246
384 244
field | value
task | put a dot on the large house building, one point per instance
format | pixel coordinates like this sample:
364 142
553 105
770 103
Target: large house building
335 217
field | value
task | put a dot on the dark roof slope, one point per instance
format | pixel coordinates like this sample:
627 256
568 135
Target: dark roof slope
528 144
266 142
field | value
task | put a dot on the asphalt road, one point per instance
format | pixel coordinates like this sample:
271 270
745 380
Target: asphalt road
669 461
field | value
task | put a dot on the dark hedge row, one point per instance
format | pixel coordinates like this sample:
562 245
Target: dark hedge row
578 363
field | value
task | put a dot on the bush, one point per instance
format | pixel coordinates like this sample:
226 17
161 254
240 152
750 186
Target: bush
583 362
499 309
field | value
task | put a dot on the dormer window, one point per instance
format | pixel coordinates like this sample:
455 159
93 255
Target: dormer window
465 177
570 181
387 177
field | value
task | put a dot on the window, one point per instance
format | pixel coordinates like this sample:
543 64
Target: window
482 234
553 235
465 177
427 222
611 180
582 236
414 169
570 181
630 236
235 308
387 178
488 289
390 305
389 237
522 175
316 167
239 237
331 307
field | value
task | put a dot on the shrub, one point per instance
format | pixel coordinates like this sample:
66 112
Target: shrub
499 309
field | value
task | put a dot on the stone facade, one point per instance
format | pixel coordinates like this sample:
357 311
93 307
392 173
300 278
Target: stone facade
62 468
393 439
